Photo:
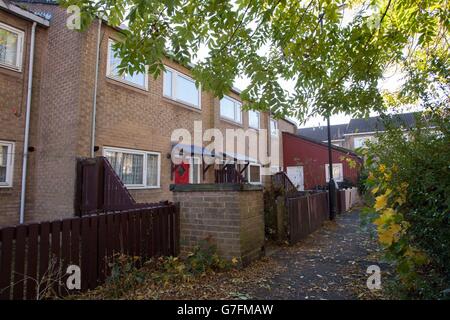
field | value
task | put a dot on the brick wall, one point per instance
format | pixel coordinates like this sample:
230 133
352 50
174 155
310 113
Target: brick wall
56 129
61 117
13 95
233 220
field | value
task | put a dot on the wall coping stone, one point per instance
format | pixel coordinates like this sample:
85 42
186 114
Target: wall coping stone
215 187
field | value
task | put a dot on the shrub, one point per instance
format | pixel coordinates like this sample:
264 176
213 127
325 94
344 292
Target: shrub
128 273
125 275
203 258
409 180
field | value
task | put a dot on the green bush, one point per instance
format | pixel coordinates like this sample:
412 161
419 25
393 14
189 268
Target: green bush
409 179
128 273
125 275
205 258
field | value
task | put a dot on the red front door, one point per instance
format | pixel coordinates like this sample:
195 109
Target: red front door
182 173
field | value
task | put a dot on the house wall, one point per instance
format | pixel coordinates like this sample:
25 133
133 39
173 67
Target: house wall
13 95
285 126
63 89
58 125
349 142
313 157
132 118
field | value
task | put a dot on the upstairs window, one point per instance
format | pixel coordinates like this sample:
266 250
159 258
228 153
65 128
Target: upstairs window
360 142
254 118
6 163
139 80
11 47
136 169
273 127
231 109
181 88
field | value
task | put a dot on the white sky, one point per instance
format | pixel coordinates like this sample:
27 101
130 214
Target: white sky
392 82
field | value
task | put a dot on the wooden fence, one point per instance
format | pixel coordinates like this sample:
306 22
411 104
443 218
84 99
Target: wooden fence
31 254
306 214
99 189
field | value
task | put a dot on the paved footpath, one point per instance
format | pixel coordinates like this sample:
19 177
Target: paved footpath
329 264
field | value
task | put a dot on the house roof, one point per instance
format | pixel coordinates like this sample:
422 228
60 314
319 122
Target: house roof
321 133
371 124
23 13
374 124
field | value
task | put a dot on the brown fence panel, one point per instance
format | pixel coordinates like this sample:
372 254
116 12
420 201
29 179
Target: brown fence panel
32 256
306 214
93 259
102 235
6 254
19 263
32 253
44 249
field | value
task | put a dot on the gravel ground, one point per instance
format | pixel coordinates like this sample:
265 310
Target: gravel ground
329 264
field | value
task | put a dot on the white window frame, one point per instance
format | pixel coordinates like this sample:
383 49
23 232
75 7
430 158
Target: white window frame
276 127
144 178
20 44
259 119
249 175
363 139
235 104
9 163
191 171
121 79
327 172
173 95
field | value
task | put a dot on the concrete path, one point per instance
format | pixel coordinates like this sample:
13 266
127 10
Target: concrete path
329 264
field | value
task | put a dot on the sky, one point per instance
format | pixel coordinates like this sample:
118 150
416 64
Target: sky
392 81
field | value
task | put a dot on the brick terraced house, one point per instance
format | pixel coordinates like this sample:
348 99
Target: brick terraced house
135 116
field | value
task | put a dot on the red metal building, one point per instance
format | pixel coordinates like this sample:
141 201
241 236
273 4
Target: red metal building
305 161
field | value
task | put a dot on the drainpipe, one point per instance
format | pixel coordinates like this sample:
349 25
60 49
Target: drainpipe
27 126
94 102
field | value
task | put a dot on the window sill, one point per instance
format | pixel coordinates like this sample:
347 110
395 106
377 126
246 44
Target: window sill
181 104
14 72
142 188
237 124
9 67
126 83
9 186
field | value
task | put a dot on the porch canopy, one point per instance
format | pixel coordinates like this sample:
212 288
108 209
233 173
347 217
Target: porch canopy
228 158
199 150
